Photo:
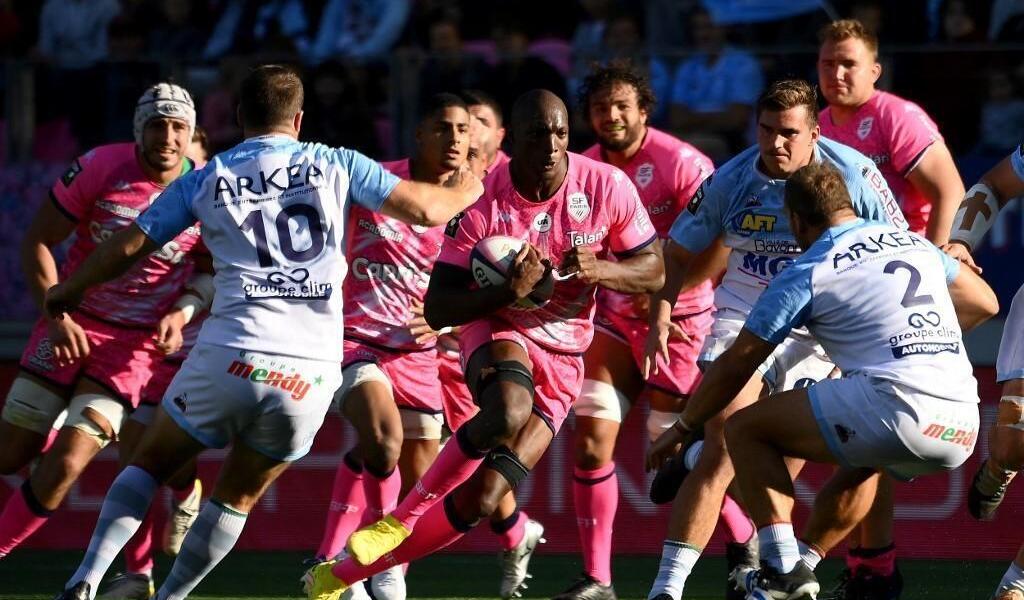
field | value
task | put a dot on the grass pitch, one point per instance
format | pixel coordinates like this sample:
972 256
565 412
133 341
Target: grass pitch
38 575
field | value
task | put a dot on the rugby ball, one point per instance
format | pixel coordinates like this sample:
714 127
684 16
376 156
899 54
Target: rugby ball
490 261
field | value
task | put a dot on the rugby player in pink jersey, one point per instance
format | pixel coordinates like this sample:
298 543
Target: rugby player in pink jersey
666 172
176 332
911 155
391 392
524 366
95 362
518 534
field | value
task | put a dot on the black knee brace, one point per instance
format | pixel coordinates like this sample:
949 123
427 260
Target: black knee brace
506 370
503 460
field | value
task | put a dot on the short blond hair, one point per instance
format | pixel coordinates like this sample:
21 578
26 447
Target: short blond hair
846 29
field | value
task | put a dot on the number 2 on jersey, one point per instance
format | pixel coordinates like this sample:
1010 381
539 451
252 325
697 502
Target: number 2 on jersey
910 297
254 222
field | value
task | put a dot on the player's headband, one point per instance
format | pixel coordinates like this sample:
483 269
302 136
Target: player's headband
164 100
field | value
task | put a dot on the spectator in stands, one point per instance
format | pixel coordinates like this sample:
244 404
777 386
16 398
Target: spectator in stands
449 67
248 26
359 29
589 37
1002 116
219 105
960 22
623 39
337 112
713 92
517 71
73 39
176 34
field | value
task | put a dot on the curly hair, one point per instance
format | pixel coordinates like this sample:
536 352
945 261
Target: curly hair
604 77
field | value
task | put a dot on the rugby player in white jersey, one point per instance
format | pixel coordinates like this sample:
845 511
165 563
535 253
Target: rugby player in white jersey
978 211
888 307
267 361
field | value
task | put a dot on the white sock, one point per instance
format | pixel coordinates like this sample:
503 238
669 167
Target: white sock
1013 579
809 555
677 560
778 546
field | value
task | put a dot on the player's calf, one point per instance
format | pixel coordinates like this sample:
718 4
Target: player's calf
1007 457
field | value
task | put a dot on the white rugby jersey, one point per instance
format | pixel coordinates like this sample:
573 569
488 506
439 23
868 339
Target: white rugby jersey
273 213
876 297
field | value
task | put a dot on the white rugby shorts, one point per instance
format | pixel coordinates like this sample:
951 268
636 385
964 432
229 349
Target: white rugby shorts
274 404
876 423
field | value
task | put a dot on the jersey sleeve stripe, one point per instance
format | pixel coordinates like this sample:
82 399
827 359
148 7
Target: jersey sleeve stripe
635 249
917 160
61 208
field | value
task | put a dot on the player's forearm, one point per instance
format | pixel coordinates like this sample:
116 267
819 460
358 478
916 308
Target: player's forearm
40 269
111 259
452 306
720 384
664 300
640 274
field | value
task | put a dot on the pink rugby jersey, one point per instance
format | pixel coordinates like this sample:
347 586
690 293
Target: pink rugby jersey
595 206
666 172
103 192
894 133
390 264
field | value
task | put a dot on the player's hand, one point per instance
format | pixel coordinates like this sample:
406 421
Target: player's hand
418 326
962 253
656 345
582 261
168 332
463 180
665 447
68 340
526 272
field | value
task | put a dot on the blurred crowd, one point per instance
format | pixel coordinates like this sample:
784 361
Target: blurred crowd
366 60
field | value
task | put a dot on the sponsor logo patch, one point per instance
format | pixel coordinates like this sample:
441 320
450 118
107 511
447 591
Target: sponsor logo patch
953 435
452 227
644 175
542 222
71 173
295 284
864 127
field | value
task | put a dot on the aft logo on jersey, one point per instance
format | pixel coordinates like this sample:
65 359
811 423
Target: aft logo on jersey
755 223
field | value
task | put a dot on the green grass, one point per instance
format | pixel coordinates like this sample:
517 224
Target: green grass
38 575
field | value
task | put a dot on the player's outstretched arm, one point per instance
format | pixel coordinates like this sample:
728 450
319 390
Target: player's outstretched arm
432 205
979 209
109 260
721 383
936 177
450 301
973 299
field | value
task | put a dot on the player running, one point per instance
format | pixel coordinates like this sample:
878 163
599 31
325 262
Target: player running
524 367
742 201
94 362
978 211
517 533
267 362
390 389
910 153
666 172
876 298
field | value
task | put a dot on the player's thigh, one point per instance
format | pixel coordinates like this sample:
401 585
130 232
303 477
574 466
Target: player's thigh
245 476
714 429
370 406
128 442
784 421
609 360
500 364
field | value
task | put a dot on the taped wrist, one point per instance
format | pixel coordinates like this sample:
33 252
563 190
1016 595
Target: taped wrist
506 462
975 216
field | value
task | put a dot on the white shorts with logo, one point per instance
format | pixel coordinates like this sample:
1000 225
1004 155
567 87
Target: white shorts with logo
796 363
1010 362
274 404
871 422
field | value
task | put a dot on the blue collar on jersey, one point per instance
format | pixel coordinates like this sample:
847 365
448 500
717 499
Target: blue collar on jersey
771 180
